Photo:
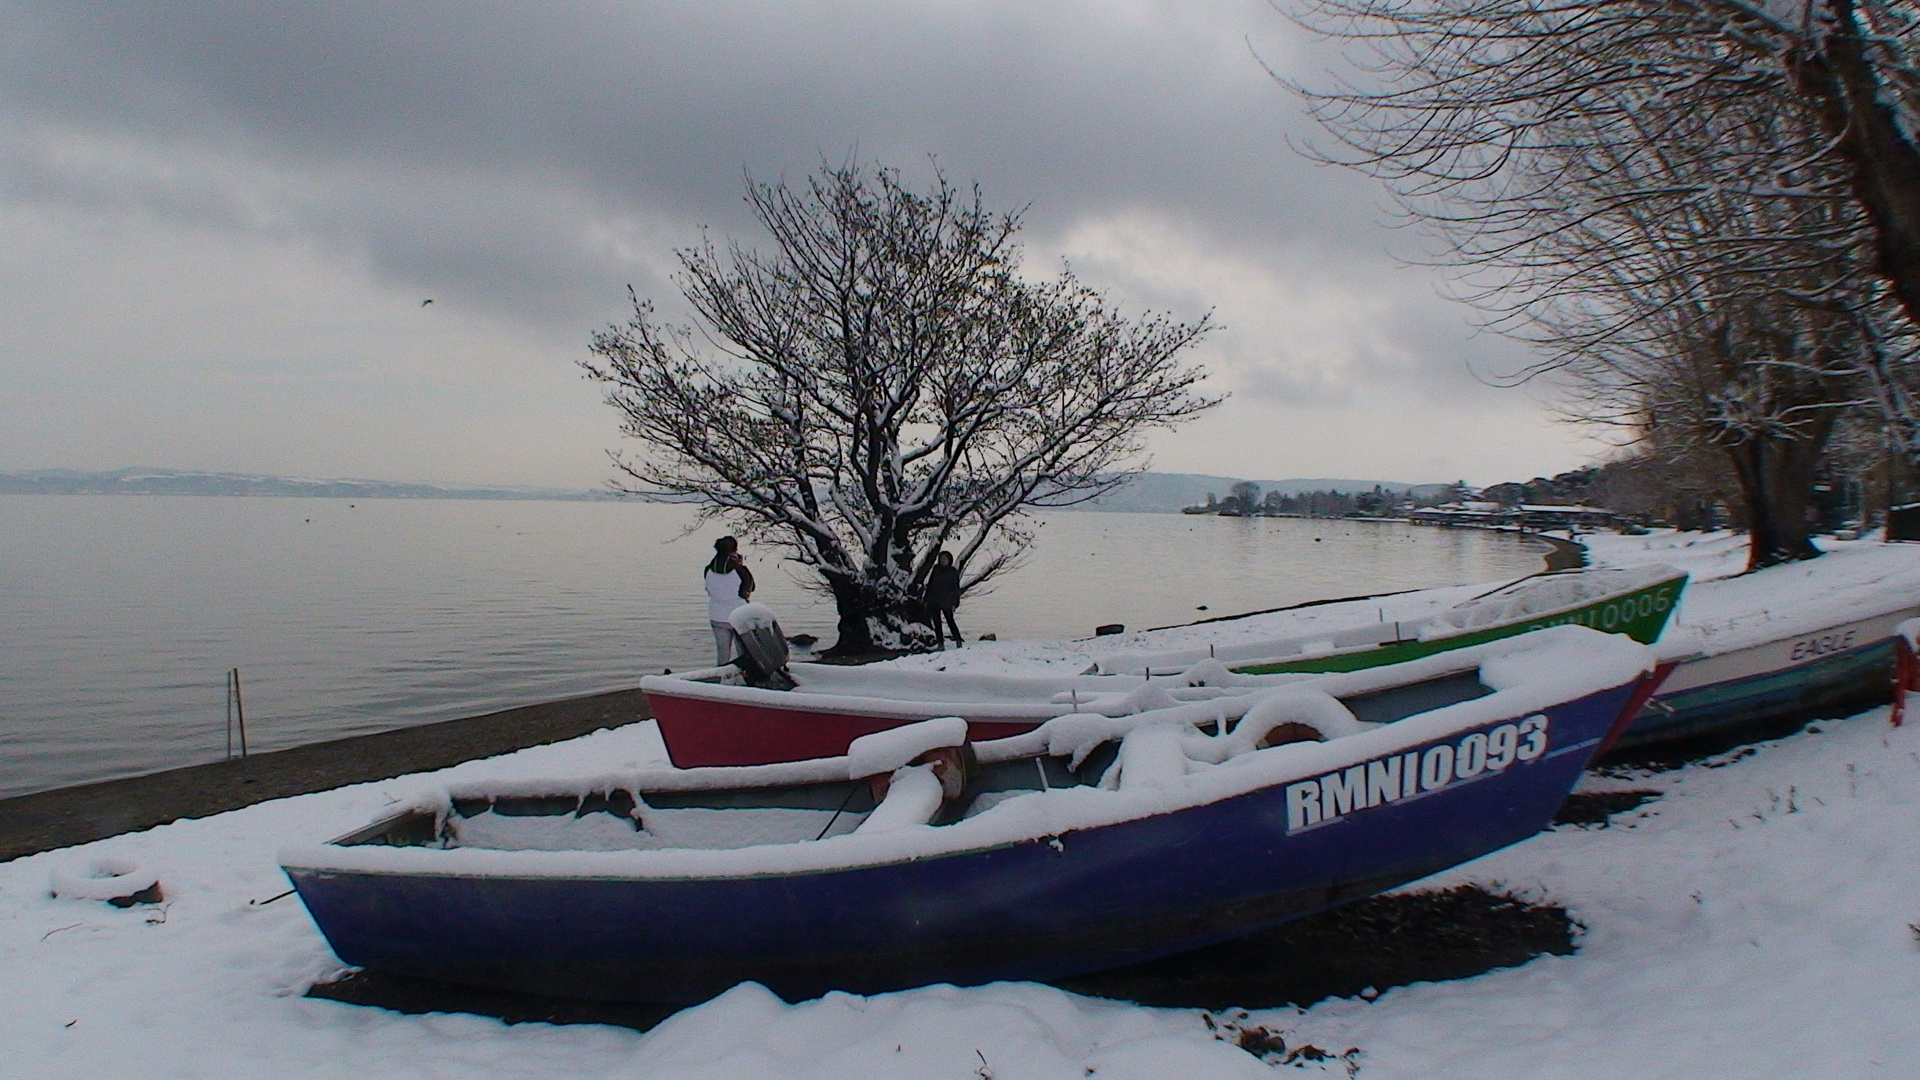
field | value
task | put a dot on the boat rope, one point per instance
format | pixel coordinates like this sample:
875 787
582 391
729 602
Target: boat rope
852 787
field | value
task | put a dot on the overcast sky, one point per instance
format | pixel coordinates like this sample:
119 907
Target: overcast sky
218 221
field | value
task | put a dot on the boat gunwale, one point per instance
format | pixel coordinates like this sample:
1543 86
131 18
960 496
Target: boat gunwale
1242 667
956 853
1701 643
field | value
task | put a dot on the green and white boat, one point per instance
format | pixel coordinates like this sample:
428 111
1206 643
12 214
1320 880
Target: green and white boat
1635 601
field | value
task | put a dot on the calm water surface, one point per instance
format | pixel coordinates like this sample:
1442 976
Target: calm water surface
120 615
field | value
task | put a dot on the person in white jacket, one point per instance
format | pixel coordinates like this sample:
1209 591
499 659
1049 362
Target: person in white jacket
729 584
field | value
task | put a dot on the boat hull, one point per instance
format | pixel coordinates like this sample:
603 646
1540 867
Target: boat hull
1833 669
1044 907
700 732
1640 614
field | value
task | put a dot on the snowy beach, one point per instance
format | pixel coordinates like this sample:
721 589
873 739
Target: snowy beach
1752 920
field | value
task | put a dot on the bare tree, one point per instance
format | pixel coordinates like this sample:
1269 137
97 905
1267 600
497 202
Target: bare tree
885 383
1648 191
1453 93
1857 65
1684 486
1710 317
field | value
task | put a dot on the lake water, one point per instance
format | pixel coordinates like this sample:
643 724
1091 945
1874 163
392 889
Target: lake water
120 615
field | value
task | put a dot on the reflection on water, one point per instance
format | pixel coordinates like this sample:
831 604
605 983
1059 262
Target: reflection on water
120 615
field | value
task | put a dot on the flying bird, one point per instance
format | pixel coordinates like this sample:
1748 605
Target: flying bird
425 302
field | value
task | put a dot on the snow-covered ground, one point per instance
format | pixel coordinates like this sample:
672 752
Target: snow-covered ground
1756 920
1752 922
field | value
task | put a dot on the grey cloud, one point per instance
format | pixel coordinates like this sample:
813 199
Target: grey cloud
1071 107
530 160
1280 384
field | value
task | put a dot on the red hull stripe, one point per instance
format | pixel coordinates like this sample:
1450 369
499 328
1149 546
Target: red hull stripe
706 733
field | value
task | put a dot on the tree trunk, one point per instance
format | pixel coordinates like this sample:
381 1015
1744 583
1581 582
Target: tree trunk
1884 164
1776 482
869 621
855 604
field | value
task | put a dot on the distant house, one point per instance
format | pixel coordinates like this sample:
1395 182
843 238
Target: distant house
1526 516
1538 516
1467 513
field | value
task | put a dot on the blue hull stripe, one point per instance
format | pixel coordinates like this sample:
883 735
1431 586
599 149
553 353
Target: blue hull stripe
1856 678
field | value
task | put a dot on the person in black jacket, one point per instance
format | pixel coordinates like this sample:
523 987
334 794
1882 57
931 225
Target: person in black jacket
943 596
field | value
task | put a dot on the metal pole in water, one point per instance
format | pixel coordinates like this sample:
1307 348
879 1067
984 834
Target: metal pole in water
240 712
229 716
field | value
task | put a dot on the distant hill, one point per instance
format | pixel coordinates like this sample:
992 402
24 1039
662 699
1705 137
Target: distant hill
1147 493
145 481
1166 492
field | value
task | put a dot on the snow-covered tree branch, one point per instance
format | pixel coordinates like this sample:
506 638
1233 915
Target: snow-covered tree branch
885 383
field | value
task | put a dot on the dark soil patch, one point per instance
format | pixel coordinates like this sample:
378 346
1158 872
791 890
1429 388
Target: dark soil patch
415 996
850 659
1370 945
1272 1046
1563 554
1591 810
1680 753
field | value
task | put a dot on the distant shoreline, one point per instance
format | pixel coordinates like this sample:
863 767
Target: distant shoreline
1153 493
165 482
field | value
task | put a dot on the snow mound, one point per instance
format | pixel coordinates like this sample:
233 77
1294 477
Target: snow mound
884 751
750 617
103 877
913 797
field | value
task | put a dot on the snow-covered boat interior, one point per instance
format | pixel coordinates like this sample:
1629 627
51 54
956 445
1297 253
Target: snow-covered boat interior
918 774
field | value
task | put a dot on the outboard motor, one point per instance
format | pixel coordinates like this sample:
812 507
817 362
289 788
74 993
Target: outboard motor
763 657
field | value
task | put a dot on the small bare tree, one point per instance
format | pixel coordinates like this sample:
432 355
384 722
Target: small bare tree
884 384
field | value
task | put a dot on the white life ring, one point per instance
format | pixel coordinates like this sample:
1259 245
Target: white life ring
105 877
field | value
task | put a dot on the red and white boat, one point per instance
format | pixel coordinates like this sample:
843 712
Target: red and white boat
711 717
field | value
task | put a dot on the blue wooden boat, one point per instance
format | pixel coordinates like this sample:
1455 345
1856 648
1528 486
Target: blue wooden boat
1828 667
1090 842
